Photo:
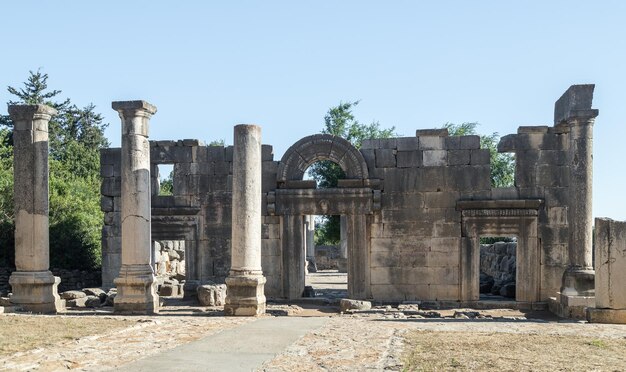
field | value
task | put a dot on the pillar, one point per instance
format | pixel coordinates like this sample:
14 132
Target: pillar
245 282
136 284
34 287
578 279
309 232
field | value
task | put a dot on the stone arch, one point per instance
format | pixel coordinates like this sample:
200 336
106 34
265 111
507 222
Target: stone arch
319 147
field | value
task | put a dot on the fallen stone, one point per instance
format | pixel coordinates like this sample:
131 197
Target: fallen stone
508 290
347 304
466 314
110 301
93 301
211 294
168 290
79 302
72 295
98 292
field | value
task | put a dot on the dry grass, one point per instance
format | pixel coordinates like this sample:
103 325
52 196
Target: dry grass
26 332
436 351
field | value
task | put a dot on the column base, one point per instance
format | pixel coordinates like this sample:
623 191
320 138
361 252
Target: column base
578 281
609 316
136 290
572 307
36 291
245 294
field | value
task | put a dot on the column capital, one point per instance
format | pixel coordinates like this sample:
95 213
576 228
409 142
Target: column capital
31 112
137 108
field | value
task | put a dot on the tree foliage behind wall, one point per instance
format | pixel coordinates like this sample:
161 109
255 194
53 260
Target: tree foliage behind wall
340 121
76 136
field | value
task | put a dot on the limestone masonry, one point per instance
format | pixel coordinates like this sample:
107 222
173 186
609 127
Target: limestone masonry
413 210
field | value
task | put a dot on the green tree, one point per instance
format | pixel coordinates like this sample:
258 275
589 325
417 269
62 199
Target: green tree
340 121
502 164
76 136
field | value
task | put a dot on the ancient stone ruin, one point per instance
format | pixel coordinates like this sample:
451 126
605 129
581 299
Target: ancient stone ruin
413 210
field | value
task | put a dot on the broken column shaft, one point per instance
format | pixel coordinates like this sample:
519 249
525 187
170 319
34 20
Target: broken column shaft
136 284
245 281
34 287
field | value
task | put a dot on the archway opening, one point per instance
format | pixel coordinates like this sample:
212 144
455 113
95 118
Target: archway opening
325 240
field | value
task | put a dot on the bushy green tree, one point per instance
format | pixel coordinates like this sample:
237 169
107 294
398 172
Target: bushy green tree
502 164
340 121
76 136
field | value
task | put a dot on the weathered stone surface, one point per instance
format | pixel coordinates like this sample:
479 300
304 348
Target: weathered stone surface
347 304
212 294
610 264
72 295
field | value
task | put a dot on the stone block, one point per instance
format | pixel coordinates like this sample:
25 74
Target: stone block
480 157
407 143
212 294
552 176
216 154
446 229
401 200
369 144
606 316
452 143
431 143
576 98
387 143
557 215
450 245
111 186
347 304
436 132
553 157
444 292
267 153
228 153
106 170
434 158
442 199
386 244
111 156
556 196
396 229
474 178
398 258
458 157
470 142
554 254
504 193
106 204
385 158
610 263
408 159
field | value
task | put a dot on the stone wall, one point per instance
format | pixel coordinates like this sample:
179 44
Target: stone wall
169 259
414 210
328 257
416 239
541 171
70 279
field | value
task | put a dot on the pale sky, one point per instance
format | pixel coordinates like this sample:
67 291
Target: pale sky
210 65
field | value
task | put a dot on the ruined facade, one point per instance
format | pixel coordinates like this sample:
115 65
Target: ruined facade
414 210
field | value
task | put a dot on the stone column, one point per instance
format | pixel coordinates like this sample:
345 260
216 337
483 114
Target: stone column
34 286
309 232
245 282
136 285
578 279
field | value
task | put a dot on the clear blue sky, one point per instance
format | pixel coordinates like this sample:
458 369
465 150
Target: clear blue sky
209 65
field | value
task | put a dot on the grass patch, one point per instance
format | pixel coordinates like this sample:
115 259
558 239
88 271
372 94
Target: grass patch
27 332
465 351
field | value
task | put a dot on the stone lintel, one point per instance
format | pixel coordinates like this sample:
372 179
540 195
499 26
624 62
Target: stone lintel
575 98
499 204
437 132
29 112
138 105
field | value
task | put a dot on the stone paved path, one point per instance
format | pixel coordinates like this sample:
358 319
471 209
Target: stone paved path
242 348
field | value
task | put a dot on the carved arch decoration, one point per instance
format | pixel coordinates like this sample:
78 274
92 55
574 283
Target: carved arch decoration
320 147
